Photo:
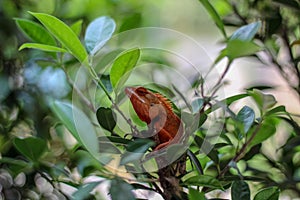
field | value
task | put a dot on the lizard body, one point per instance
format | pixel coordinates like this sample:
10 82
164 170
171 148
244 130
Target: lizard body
156 111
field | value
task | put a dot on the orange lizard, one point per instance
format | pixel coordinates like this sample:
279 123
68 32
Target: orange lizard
156 111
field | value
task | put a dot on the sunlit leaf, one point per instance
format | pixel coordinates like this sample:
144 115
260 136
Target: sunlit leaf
63 34
238 48
35 32
98 32
122 65
42 47
271 193
215 16
247 32
31 147
76 27
240 191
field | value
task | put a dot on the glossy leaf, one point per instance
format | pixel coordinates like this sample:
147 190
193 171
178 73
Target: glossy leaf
240 191
119 189
247 32
215 16
32 148
63 34
98 32
106 118
35 32
122 66
42 47
271 193
204 180
246 116
84 191
78 124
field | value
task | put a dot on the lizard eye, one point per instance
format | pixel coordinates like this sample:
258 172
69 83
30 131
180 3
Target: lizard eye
152 104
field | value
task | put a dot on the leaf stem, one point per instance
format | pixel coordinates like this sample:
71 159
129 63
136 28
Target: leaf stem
114 105
242 151
216 87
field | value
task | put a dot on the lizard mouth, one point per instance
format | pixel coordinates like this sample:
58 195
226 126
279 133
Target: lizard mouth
130 91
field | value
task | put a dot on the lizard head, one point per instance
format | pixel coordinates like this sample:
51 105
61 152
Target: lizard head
145 103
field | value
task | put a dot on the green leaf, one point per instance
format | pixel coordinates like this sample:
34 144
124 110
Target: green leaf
63 34
131 22
204 180
120 190
228 101
78 124
106 118
240 191
271 193
98 32
35 32
276 111
247 32
290 3
195 194
76 27
195 161
84 191
264 101
266 130
31 147
215 16
135 150
246 116
238 48
122 66
85 161
42 47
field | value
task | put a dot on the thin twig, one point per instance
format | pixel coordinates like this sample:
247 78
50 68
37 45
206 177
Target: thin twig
242 151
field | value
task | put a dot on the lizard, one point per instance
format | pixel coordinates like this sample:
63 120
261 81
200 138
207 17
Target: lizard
157 112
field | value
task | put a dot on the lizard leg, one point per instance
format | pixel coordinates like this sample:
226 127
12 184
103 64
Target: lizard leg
162 145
